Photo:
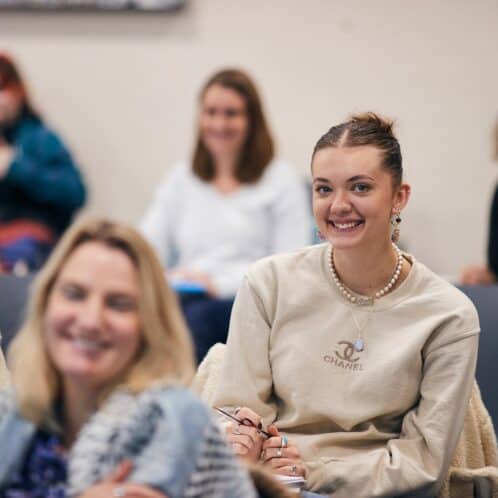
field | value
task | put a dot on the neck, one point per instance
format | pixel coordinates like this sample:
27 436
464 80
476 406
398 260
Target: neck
79 403
366 272
224 166
224 178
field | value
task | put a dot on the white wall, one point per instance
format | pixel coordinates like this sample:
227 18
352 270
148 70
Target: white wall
121 89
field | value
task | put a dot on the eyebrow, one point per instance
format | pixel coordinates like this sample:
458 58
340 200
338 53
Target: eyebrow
349 180
360 177
319 179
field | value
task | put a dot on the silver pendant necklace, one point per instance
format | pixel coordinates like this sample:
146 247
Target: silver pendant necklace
359 344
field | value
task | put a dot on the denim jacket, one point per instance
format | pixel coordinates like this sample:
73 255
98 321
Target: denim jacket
175 445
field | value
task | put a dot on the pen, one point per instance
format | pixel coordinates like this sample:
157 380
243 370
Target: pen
244 421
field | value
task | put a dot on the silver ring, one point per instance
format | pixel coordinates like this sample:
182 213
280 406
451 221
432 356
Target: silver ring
119 492
236 411
294 470
279 452
284 442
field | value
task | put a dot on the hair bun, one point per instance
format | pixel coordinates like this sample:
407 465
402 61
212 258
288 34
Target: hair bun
380 122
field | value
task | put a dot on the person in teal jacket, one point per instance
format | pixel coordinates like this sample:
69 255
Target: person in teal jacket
40 186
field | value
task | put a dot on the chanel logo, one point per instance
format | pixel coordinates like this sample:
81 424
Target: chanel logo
344 357
347 351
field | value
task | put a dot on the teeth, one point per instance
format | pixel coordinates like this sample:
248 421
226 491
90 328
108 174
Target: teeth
343 226
86 345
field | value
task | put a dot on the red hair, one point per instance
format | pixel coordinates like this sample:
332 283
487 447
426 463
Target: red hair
10 78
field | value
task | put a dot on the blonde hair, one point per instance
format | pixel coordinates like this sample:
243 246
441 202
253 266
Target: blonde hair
166 355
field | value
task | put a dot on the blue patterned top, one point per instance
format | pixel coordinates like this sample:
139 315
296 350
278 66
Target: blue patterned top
44 472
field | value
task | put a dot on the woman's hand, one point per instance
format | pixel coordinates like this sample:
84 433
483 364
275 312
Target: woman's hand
245 439
115 486
477 275
282 455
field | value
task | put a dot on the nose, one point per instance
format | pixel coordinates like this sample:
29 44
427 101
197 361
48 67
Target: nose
220 123
340 203
91 316
219 120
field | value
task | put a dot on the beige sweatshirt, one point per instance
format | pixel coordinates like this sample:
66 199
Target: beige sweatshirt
381 422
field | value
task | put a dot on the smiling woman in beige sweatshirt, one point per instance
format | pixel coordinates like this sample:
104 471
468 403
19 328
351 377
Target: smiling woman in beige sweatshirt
361 357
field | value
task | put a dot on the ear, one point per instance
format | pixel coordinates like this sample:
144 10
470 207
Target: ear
401 197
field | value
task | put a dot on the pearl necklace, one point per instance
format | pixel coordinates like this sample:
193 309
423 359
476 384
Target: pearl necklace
364 300
355 299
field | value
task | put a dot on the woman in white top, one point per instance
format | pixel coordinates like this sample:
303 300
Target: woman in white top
357 355
233 204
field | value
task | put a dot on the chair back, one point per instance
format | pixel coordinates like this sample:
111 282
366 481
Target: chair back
13 299
485 299
208 373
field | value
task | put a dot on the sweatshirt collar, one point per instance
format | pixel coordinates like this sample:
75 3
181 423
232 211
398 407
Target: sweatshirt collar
395 297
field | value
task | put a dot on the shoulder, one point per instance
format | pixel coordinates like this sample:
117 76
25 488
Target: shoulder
443 293
299 258
7 403
494 200
280 172
279 165
13 426
36 131
293 265
179 173
440 298
180 168
16 434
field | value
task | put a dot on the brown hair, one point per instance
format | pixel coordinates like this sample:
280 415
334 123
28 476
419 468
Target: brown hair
367 129
166 354
258 149
10 78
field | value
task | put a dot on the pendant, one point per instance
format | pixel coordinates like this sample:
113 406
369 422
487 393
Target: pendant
358 345
364 301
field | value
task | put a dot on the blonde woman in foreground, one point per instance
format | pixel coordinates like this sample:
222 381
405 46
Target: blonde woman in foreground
99 406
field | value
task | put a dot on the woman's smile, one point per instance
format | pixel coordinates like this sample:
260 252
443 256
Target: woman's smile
85 345
346 226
